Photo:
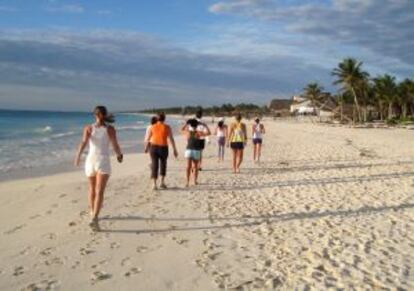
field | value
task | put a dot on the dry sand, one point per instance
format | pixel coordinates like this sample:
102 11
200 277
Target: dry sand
329 207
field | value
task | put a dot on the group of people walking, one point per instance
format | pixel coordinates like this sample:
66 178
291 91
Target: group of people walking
158 138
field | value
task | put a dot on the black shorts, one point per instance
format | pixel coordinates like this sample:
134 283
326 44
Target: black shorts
237 145
257 141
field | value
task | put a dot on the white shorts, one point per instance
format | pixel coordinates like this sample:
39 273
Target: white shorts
97 165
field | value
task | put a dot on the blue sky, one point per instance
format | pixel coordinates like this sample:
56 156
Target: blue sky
71 55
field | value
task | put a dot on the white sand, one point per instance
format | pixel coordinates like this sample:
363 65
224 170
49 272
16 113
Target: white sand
328 207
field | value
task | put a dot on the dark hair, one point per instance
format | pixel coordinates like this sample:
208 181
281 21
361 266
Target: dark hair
193 123
161 116
199 113
154 120
107 117
257 120
220 124
238 117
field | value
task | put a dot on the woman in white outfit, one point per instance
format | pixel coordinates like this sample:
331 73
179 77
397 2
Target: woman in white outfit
257 132
98 136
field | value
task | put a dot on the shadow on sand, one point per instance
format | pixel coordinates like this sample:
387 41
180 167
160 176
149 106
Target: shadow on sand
256 220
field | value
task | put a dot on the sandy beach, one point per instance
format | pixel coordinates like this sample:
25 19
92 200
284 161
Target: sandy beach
328 207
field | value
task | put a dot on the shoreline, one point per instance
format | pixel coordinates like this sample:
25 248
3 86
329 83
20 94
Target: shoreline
328 207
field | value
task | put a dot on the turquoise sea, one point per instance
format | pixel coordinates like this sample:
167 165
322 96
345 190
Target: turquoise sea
32 141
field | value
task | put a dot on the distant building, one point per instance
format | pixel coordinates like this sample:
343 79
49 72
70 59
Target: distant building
301 106
280 107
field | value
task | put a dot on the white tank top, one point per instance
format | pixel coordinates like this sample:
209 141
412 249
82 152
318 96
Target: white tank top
257 133
220 132
99 141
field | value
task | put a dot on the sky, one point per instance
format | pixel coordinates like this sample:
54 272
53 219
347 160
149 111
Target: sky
127 54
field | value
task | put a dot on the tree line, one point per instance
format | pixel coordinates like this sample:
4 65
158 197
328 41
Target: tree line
222 110
381 97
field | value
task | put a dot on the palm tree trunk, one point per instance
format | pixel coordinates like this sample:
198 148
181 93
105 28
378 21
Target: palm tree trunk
390 110
381 111
404 109
358 111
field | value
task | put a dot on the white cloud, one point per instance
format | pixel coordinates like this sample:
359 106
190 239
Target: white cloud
137 70
384 27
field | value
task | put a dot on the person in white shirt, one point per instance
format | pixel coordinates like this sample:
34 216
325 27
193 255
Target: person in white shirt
202 127
257 132
221 133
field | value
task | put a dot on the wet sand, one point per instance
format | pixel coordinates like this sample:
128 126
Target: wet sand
328 207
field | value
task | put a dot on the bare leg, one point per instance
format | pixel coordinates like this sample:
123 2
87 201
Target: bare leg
240 160
254 152
234 161
188 172
195 165
259 152
92 194
101 181
201 159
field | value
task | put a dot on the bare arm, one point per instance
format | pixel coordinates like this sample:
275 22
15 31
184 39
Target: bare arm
230 135
147 141
263 129
85 138
245 132
207 133
114 142
172 141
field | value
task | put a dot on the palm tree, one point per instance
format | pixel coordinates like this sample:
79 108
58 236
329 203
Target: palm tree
386 90
313 92
351 77
405 95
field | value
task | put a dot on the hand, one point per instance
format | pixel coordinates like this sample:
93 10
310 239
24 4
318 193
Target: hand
77 161
228 145
175 153
120 158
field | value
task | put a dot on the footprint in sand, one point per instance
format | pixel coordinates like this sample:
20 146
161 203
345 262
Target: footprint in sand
62 195
14 229
133 271
180 241
100 276
125 261
25 251
142 249
85 252
115 245
34 216
47 251
18 271
75 265
50 235
43 285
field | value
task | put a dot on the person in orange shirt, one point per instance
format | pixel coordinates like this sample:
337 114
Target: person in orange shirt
158 137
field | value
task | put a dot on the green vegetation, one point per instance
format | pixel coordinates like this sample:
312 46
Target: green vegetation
360 98
380 98
223 110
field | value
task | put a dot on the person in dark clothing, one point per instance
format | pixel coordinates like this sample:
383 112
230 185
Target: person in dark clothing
158 137
194 146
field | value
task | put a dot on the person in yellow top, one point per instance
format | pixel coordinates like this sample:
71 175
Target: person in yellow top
237 141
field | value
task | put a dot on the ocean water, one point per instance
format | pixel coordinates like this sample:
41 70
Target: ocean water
32 141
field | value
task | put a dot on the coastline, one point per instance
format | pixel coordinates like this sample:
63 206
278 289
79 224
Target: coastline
328 207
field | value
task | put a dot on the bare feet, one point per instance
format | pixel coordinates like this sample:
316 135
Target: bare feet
163 186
